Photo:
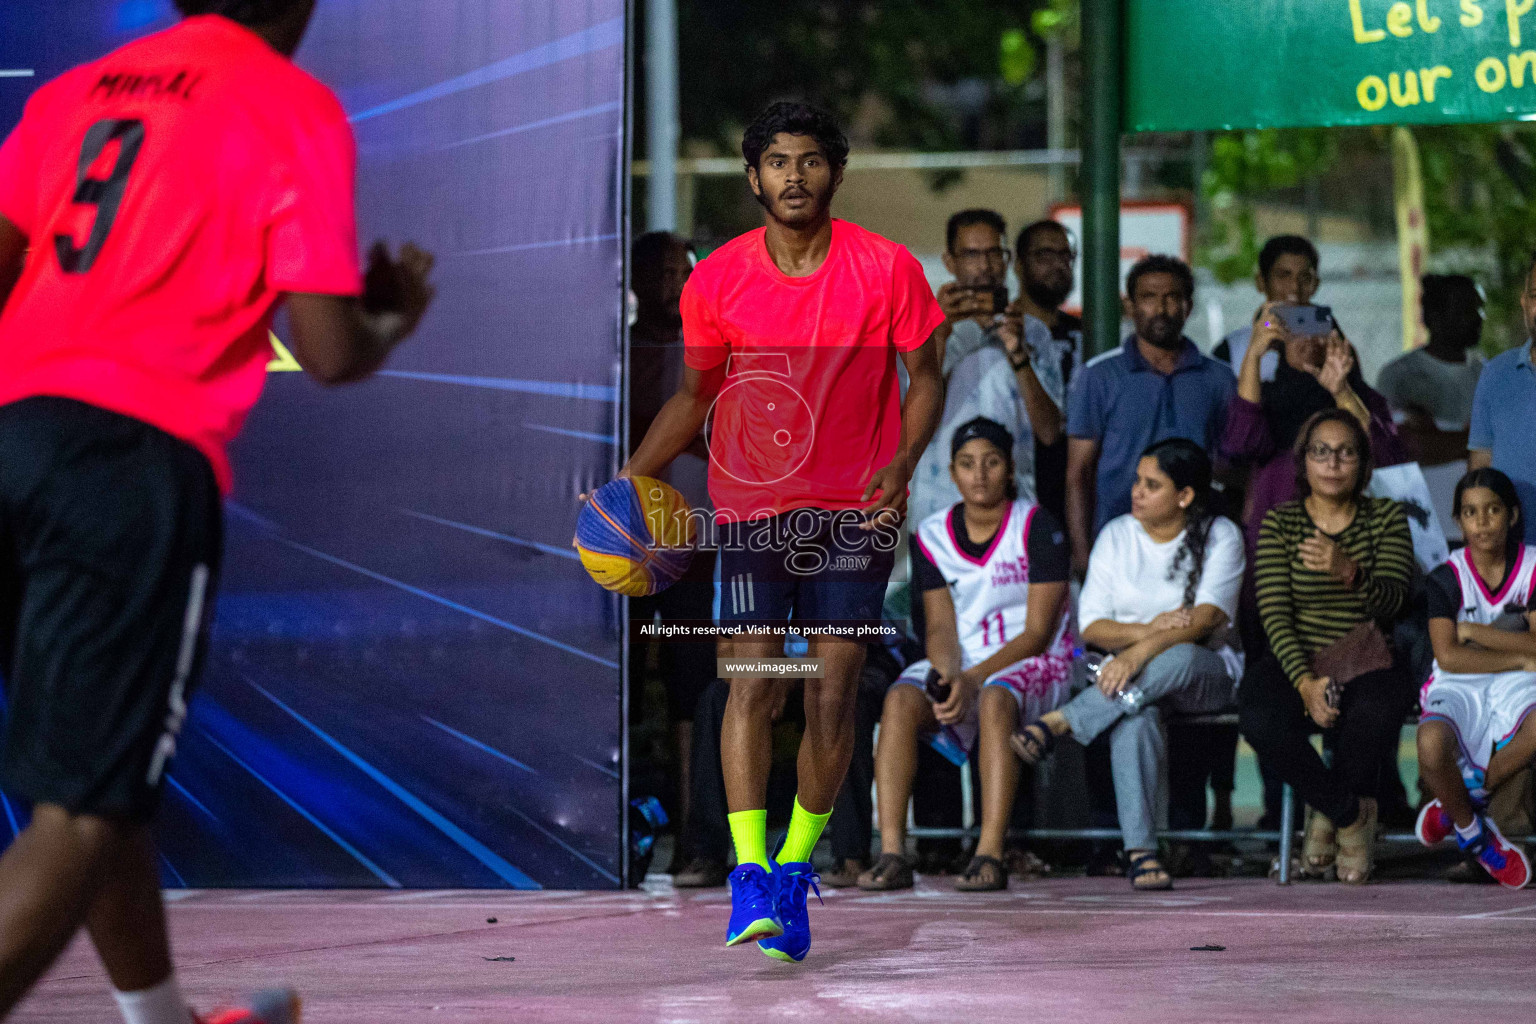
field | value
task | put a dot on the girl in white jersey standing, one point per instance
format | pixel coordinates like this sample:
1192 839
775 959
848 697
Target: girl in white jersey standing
992 571
1477 730
1161 594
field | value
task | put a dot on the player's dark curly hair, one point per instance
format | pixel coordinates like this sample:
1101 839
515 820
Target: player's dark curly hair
1187 465
246 12
791 118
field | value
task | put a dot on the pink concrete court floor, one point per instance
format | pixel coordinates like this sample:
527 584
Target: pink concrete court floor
1062 950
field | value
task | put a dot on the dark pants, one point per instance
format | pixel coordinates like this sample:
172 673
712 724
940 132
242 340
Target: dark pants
1275 722
709 832
1197 753
686 666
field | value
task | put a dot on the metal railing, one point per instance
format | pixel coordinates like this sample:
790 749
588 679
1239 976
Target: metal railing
1285 836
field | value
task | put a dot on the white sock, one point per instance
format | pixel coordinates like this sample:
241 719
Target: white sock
1470 832
163 1004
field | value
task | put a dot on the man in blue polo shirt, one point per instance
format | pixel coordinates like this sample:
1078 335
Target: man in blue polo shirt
1157 385
1504 411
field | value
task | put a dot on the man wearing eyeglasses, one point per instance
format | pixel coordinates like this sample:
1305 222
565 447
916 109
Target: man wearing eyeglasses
989 355
1044 265
976 254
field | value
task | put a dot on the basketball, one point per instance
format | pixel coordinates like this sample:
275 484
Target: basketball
635 536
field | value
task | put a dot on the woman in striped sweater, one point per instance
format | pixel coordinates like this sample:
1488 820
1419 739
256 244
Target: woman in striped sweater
1326 564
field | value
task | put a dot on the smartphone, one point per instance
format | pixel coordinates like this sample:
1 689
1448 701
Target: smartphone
1307 321
938 693
999 296
1000 299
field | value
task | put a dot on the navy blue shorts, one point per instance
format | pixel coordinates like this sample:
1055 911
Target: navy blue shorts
808 566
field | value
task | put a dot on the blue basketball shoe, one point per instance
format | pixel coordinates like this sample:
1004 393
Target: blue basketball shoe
754 911
795 881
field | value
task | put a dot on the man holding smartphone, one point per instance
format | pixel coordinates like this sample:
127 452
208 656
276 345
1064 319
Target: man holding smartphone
990 355
976 253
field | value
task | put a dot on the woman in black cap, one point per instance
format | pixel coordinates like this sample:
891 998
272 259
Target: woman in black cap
993 574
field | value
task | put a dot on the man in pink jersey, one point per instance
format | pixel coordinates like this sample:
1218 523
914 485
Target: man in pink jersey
792 334
156 206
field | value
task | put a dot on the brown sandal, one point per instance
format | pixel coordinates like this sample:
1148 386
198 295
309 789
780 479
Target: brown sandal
892 871
1319 848
1357 846
982 874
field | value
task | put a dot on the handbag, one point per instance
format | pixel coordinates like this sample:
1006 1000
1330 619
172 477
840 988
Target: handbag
1363 649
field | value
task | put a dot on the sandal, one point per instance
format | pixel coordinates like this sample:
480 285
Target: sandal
1025 864
891 871
1319 847
1357 846
845 875
982 874
1144 864
1033 742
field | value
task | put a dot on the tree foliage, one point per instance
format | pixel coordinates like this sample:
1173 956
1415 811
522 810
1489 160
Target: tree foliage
921 74
1245 166
1478 184
1478 180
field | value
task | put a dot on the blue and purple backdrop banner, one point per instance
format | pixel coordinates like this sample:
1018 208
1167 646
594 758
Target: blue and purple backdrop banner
412 681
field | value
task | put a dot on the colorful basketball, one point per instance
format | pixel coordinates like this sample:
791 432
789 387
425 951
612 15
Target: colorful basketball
635 536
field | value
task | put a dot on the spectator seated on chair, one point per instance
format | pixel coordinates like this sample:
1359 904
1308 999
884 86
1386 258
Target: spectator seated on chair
992 571
1477 730
1333 572
1161 594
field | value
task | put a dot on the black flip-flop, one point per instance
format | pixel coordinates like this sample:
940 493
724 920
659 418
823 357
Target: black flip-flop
971 880
892 871
1029 747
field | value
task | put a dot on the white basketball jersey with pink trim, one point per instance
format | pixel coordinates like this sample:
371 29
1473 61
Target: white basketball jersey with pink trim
1479 604
990 594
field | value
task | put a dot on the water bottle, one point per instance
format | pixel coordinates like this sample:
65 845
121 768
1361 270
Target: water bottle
1093 662
1130 699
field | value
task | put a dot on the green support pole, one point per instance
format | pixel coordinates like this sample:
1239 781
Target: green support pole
1102 69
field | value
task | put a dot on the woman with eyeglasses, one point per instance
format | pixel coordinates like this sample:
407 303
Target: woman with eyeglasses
1333 568
1314 374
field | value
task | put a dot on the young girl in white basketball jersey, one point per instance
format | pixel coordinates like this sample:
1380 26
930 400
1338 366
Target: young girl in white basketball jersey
1477 730
993 572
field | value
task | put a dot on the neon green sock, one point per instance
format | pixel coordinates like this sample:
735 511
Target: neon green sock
804 829
749 831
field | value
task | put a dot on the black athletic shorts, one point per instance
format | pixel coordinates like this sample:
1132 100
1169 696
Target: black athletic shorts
111 532
809 566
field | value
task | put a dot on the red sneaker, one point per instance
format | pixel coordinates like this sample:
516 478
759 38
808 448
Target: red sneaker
1502 859
1434 825
273 1006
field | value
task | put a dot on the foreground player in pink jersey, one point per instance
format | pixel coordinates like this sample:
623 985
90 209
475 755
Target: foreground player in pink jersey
156 207
792 334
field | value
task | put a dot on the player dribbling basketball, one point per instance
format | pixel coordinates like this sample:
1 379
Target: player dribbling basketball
792 333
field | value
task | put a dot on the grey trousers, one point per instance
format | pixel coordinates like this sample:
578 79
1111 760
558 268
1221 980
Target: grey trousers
1187 679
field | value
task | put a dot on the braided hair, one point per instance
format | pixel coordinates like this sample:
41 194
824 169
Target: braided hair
1187 465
